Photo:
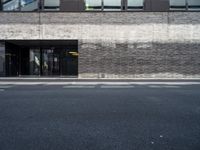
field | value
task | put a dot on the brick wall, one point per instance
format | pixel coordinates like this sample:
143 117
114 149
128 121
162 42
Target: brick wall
119 45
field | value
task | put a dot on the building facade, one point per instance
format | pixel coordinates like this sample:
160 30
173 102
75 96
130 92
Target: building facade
100 38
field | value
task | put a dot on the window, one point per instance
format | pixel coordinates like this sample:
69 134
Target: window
106 5
52 5
29 5
93 5
135 4
10 5
20 5
177 4
112 5
193 4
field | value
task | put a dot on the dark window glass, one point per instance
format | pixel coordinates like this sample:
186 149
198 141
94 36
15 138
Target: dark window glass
93 5
2 59
52 5
194 4
135 4
112 5
177 4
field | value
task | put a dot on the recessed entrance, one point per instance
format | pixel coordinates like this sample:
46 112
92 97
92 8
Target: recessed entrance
41 58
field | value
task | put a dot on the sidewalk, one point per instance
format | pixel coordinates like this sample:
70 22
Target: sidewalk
76 81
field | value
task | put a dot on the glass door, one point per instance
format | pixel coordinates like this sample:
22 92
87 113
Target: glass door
39 58
50 62
35 62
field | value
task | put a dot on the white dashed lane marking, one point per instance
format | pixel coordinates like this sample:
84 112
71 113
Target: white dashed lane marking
155 86
116 86
171 86
163 86
77 86
3 87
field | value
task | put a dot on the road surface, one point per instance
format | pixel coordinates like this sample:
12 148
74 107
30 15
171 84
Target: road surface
100 116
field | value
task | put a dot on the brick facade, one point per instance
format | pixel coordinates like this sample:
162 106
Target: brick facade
118 44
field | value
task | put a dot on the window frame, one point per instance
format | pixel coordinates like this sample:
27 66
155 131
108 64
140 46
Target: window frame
134 9
113 10
89 10
178 8
193 7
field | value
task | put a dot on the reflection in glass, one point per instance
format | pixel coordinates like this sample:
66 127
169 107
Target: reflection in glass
51 62
34 62
29 5
20 5
135 4
2 59
194 4
38 58
93 4
112 5
177 4
10 5
51 5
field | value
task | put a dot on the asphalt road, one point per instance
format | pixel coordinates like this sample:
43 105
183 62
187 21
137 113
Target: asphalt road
102 117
